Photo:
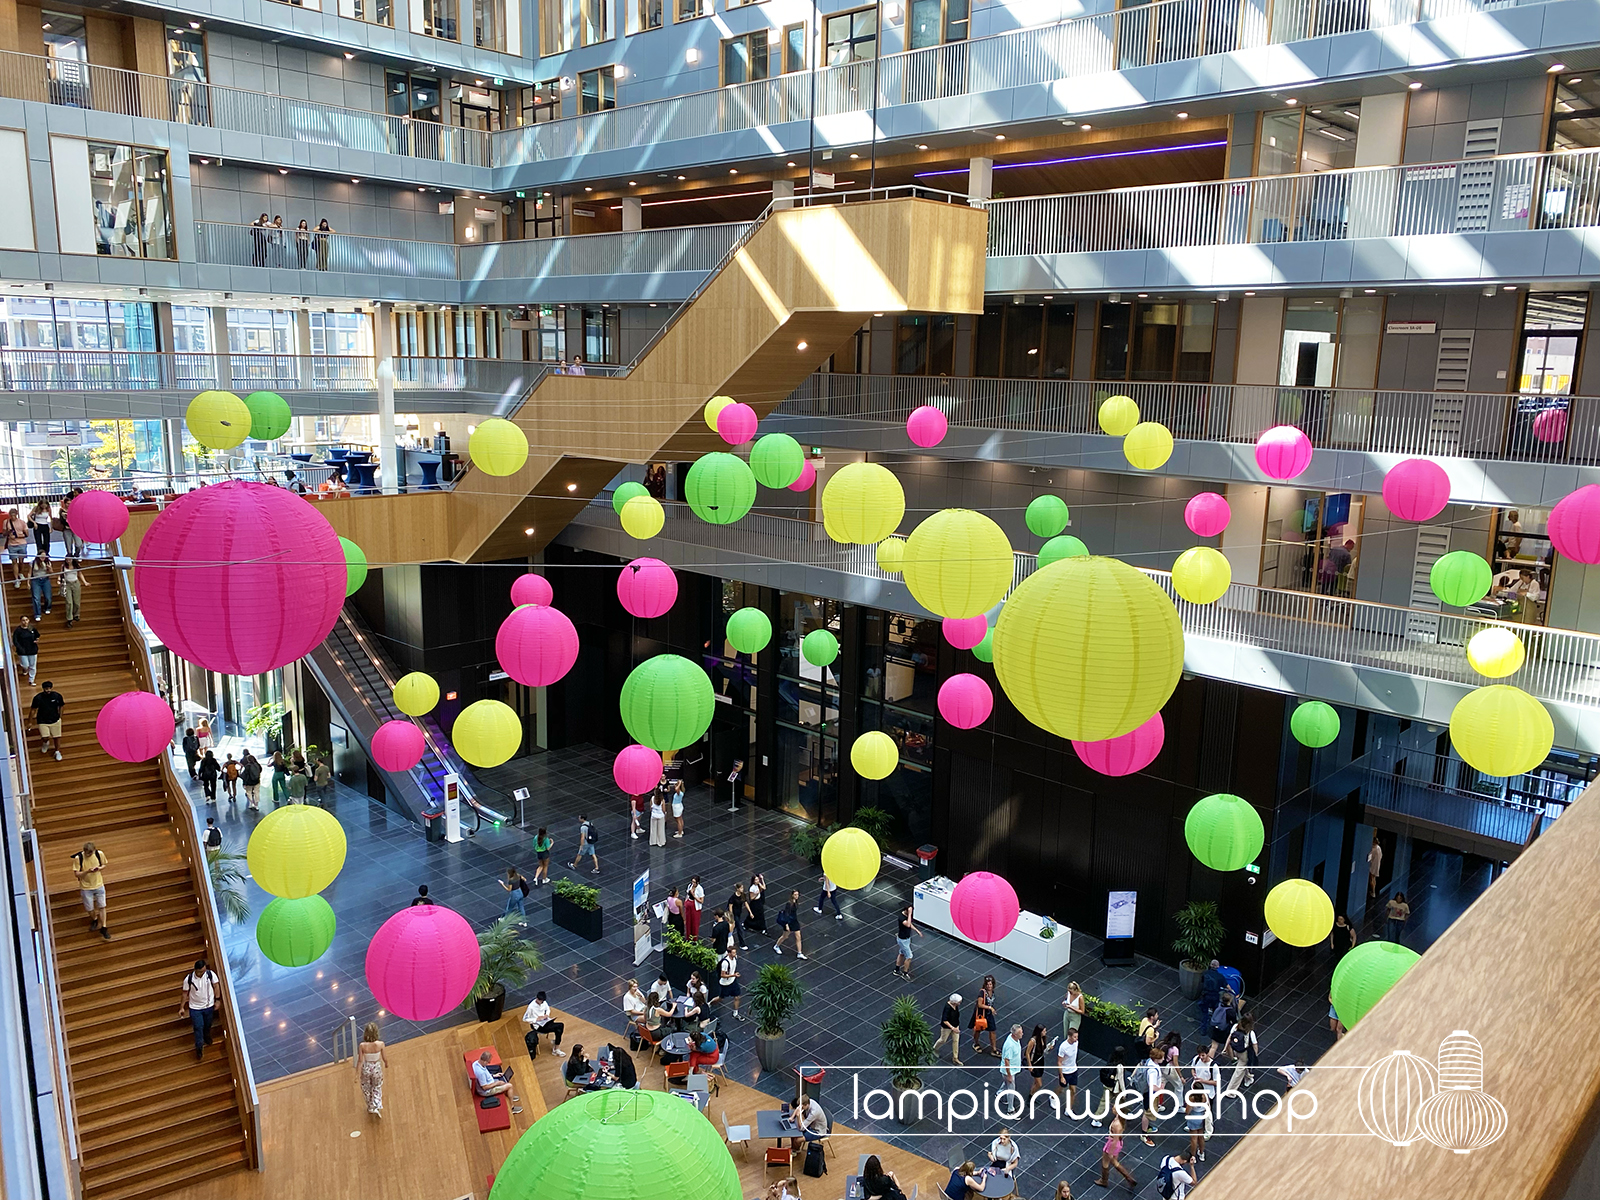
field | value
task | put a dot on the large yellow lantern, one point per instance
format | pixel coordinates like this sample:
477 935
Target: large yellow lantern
416 694
296 851
862 503
498 447
874 756
487 733
1088 648
1201 575
643 517
958 563
218 420
1496 652
1118 415
851 858
1148 445
1299 912
1501 730
714 407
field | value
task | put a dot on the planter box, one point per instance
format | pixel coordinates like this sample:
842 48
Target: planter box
582 921
1097 1041
491 1006
677 968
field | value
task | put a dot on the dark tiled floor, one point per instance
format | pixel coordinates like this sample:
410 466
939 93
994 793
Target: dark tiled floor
290 1015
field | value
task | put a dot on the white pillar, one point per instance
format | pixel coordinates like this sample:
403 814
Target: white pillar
632 213
980 180
782 193
383 351
219 347
302 348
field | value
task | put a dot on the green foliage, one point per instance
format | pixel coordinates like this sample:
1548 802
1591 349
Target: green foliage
508 959
1114 1016
875 821
907 1042
263 717
227 871
806 841
773 998
697 952
1200 932
577 894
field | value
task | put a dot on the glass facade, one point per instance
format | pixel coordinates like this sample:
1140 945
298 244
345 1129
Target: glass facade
132 214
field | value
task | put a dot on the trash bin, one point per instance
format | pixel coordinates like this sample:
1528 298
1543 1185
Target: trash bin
433 825
925 856
808 1083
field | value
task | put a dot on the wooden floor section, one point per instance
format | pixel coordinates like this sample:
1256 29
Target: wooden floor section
427 1145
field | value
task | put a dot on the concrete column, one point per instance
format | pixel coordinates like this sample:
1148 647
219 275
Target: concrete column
302 345
980 179
1381 141
165 338
632 213
383 351
782 193
219 347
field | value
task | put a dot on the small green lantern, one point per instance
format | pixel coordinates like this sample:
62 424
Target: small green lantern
1057 548
1365 974
1460 578
1046 516
1224 832
749 630
720 488
667 703
625 492
1314 724
984 650
269 416
295 933
819 647
355 566
777 460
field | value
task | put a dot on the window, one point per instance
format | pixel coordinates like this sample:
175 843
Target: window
1313 541
602 335
794 49
261 331
646 14
744 59
476 107
852 36
1310 342
132 215
66 43
415 96
597 90
550 333
1150 342
1523 561
594 22
439 19
689 10
1278 152
191 329
488 25
934 21
1575 120
1552 331
341 333
541 215
186 63
375 12
541 103
1329 141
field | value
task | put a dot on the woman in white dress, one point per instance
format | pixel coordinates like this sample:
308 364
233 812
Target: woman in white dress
658 821
372 1061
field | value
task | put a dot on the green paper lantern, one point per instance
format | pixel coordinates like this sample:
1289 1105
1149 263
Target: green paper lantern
355 566
1224 832
776 460
625 492
984 650
619 1145
269 415
667 703
749 630
720 488
1365 974
295 933
1057 548
1046 516
1314 724
1460 578
819 647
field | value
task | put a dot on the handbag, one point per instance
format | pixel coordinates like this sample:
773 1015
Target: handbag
981 1023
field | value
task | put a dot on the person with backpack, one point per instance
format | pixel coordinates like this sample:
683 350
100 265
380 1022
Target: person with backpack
588 844
516 888
1223 1016
191 752
88 868
1113 1078
230 779
250 776
1243 1051
201 995
209 770
1176 1176
728 979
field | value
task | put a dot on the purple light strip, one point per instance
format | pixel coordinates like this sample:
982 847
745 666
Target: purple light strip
1051 162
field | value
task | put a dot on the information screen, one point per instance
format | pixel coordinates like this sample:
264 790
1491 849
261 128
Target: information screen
1120 909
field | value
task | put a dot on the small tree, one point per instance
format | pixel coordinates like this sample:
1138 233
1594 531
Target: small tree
876 821
773 999
227 884
907 1042
1200 932
508 959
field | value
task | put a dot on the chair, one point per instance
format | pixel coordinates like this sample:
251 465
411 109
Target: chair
705 1081
779 1156
677 1072
736 1133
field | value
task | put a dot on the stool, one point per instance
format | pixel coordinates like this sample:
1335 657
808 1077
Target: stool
301 458
364 476
336 454
430 472
358 456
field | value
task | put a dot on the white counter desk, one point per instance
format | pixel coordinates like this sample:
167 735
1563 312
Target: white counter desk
1023 945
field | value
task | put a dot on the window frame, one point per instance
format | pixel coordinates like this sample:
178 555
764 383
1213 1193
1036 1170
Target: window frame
165 183
703 9
748 40
828 19
787 38
606 75
433 20
638 16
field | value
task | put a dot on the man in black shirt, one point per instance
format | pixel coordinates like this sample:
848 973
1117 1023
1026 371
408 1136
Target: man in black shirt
25 641
950 1028
47 706
213 835
421 897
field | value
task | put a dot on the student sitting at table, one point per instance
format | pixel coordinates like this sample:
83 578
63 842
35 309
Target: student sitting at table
634 1005
784 1189
695 999
1003 1152
661 990
878 1183
491 1080
962 1179
623 1072
579 1071
704 1049
811 1121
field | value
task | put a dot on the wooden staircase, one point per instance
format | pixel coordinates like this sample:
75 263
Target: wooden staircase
149 1117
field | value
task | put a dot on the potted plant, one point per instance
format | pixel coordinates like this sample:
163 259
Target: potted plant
806 841
1199 940
576 908
877 822
227 870
773 998
681 954
507 960
907 1046
1107 1025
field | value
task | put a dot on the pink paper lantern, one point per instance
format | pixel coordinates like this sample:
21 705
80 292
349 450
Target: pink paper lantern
531 589
1283 452
536 645
135 726
984 907
1133 751
1575 525
422 962
1207 514
965 701
647 587
240 578
736 423
807 480
98 517
926 426
1549 426
965 632
637 769
397 746
1416 489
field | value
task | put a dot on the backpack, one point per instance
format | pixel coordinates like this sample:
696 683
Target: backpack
1165 1186
522 884
816 1166
1220 1017
594 836
1238 1040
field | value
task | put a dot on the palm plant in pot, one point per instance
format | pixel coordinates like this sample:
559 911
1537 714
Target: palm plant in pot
508 959
773 999
1199 940
907 1045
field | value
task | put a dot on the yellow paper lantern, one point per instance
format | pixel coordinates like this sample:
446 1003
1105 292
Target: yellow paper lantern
1148 445
1118 415
714 406
218 420
1501 730
1201 575
498 447
643 517
1299 912
862 503
487 733
416 694
1088 648
850 858
874 756
892 555
296 851
958 563
1496 652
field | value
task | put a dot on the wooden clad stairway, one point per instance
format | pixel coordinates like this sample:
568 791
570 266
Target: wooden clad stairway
149 1117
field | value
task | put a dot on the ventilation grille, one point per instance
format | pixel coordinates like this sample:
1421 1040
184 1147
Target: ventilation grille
1432 542
1475 188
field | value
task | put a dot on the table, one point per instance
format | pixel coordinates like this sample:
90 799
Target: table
852 1187
677 1044
1023 945
301 458
430 472
776 1125
998 1184
358 456
364 476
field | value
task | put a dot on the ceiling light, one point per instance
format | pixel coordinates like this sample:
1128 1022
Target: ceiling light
1086 127
731 171
348 55
422 189
1510 287
681 178
1291 100
1334 134
471 429
1049 297
1576 79
1316 112
801 346
194 24
632 184
283 170
1415 85
1371 291
1354 116
478 82
528 531
922 145
588 189
572 487
1556 68
855 156
999 137
791 164
1144 295
205 162
355 180
1183 116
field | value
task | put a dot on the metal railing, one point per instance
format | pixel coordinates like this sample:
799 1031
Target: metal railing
294 249
1489 425
1470 812
645 251
23 370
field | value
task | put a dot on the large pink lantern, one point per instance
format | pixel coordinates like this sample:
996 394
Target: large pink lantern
98 517
926 426
647 587
240 578
397 746
965 701
1283 451
531 589
422 962
135 726
984 907
1575 525
1416 489
536 645
965 632
637 769
1549 426
807 480
736 423
1207 514
1133 751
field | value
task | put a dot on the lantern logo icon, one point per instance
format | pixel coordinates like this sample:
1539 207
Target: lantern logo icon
1392 1094
1460 1116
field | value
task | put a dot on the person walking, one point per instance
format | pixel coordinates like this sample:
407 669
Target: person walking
230 779
541 848
370 1054
88 868
1011 1056
588 844
950 1029
635 811
756 897
209 770
1073 1006
1067 1067
39 586
739 914
302 243
1177 1175
658 820
694 902
1398 912
728 979
299 780
1111 1157
983 1017
280 778
47 706
250 776
211 839
1113 1079
71 543
1150 1077
1244 1051
321 238
39 522
16 531
516 888
1342 939
322 780
1034 1055
25 645
1374 868
72 585
828 895
677 806
1205 1077
191 752
789 922
203 732
904 928
200 1000
1150 1027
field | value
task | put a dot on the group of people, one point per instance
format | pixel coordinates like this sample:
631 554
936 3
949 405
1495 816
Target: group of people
668 795
41 573
269 243
301 778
